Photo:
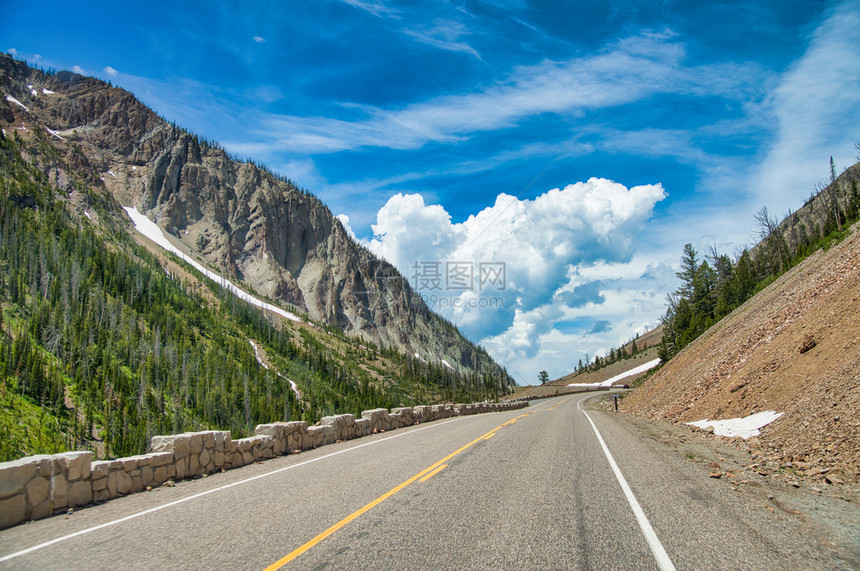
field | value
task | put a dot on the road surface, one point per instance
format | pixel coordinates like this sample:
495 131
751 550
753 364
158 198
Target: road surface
527 489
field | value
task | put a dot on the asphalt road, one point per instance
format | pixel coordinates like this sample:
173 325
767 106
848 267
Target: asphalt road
528 489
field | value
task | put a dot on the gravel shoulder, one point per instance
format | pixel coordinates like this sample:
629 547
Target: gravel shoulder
826 511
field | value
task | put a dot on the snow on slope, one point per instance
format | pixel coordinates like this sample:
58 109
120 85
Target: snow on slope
608 382
745 427
13 100
293 385
149 229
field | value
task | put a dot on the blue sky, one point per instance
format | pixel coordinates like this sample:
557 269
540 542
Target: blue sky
579 145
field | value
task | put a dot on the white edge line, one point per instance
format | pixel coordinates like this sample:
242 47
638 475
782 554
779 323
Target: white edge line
207 492
663 559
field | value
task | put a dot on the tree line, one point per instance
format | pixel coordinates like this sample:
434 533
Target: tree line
713 285
103 348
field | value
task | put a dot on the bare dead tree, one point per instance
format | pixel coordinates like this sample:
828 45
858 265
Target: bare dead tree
834 189
772 239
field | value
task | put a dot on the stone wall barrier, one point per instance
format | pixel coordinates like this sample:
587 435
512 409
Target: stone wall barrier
39 486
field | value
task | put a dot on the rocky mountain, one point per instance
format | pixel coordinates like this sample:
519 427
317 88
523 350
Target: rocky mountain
236 217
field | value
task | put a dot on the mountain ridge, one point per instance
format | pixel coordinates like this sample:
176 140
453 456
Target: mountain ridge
238 218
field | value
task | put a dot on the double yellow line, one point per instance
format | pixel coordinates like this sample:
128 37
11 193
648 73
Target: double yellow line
422 476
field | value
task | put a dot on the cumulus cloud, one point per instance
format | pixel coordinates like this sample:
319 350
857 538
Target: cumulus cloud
259 39
79 70
496 270
344 220
111 71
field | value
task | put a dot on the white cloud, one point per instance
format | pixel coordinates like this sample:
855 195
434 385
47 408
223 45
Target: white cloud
556 250
13 52
445 35
111 71
259 39
377 8
629 71
817 109
344 220
79 70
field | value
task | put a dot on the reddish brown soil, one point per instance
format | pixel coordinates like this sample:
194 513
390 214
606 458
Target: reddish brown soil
793 348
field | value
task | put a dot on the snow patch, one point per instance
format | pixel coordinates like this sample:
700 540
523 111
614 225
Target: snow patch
34 93
46 91
54 133
13 100
87 214
447 364
609 382
149 229
417 356
745 427
111 173
293 385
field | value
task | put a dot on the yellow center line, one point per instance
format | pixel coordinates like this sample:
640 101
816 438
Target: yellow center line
427 471
490 435
434 472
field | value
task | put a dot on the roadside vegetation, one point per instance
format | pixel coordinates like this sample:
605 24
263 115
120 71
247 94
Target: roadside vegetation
713 287
101 348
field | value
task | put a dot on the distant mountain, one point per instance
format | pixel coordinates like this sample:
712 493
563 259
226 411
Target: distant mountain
107 339
237 217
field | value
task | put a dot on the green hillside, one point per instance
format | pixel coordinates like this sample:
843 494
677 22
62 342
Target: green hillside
101 347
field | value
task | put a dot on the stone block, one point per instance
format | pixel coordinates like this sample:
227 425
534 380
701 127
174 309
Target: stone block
76 464
43 510
128 464
209 440
314 436
181 468
220 437
160 459
38 490
112 484
193 464
101 496
99 484
421 413
100 469
136 483
45 464
195 442
123 482
175 443
162 443
146 475
13 509
205 458
80 493
14 476
159 475
247 458
59 491
362 427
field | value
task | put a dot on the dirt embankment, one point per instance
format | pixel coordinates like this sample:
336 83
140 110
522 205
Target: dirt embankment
793 348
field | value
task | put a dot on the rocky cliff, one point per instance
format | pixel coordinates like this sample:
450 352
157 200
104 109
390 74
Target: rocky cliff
241 220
